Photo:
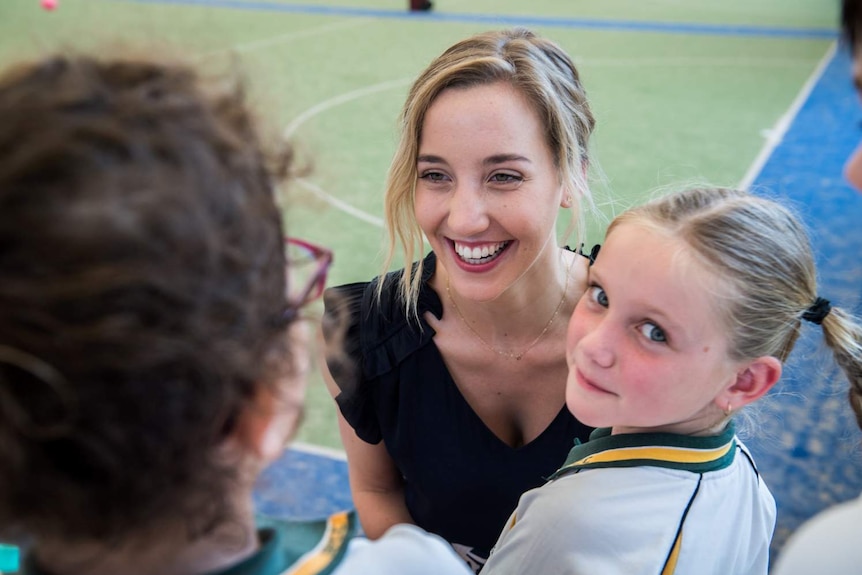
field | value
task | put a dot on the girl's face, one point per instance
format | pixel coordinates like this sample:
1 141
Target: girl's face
853 167
488 191
646 350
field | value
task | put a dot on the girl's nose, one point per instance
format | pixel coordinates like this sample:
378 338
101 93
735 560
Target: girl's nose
853 169
597 344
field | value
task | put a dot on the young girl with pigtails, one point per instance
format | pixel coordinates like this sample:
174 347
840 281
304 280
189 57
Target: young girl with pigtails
692 307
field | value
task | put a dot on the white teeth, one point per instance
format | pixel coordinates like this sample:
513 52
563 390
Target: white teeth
476 255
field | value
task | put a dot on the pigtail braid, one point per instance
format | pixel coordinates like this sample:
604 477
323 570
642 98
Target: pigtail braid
844 336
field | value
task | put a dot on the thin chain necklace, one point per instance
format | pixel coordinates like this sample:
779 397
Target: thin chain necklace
515 356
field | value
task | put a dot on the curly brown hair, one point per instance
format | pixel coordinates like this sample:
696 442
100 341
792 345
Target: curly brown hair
851 23
142 297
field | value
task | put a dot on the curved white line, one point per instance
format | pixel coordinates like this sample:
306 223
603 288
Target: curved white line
297 122
343 206
284 38
342 99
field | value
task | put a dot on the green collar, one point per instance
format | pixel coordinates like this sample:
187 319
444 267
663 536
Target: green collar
684 452
299 547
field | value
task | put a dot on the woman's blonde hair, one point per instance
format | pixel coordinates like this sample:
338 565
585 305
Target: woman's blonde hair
764 270
546 77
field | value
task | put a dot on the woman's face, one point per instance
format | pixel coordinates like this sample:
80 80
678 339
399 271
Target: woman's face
488 190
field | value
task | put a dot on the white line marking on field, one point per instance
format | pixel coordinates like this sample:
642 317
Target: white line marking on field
288 37
776 134
319 450
294 125
339 204
333 102
686 62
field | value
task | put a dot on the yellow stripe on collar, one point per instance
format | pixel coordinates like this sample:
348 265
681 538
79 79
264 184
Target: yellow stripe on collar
324 553
658 453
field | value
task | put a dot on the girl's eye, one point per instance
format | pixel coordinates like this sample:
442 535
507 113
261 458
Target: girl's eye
653 332
504 178
599 296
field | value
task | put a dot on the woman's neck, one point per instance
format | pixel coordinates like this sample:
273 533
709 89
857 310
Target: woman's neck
528 302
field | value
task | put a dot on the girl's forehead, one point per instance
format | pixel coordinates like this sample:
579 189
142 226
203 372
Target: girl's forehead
643 255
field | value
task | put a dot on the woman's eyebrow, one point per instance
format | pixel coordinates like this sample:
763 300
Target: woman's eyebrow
430 159
503 158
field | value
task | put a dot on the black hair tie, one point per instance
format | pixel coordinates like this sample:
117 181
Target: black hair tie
594 253
817 311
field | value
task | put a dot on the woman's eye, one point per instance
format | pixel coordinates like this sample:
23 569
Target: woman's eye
599 296
433 176
504 178
653 332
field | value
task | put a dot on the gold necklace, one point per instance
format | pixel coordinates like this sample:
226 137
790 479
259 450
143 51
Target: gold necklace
515 356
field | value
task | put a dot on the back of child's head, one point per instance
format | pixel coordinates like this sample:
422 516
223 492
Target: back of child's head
763 273
142 294
851 23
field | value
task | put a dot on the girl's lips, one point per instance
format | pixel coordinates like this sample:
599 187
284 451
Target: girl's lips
587 384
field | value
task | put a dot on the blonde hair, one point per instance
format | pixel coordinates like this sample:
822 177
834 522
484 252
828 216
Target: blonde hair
760 254
547 78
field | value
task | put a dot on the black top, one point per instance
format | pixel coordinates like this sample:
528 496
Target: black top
461 481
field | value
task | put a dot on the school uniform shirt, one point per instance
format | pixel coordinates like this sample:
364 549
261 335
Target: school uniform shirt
330 547
644 504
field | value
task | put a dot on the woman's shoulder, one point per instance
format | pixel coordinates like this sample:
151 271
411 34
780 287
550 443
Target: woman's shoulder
379 330
385 303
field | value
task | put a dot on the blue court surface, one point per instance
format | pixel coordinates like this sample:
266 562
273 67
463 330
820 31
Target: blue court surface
306 483
803 437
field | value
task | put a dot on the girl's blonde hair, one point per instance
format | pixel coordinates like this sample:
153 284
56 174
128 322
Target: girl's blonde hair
546 77
766 277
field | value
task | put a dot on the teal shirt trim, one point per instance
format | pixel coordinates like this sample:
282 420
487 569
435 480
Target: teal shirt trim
310 547
684 452
9 558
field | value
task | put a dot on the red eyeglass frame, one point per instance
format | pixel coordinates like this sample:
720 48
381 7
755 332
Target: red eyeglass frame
317 281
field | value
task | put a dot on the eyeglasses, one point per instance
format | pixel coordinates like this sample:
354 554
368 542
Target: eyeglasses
307 267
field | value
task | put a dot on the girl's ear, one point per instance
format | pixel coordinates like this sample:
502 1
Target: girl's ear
265 425
271 417
752 382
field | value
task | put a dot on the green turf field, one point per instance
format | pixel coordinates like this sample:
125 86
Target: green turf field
673 105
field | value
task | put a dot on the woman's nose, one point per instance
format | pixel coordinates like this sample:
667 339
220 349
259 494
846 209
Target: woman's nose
468 210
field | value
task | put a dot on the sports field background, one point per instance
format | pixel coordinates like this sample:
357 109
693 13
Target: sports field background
683 91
